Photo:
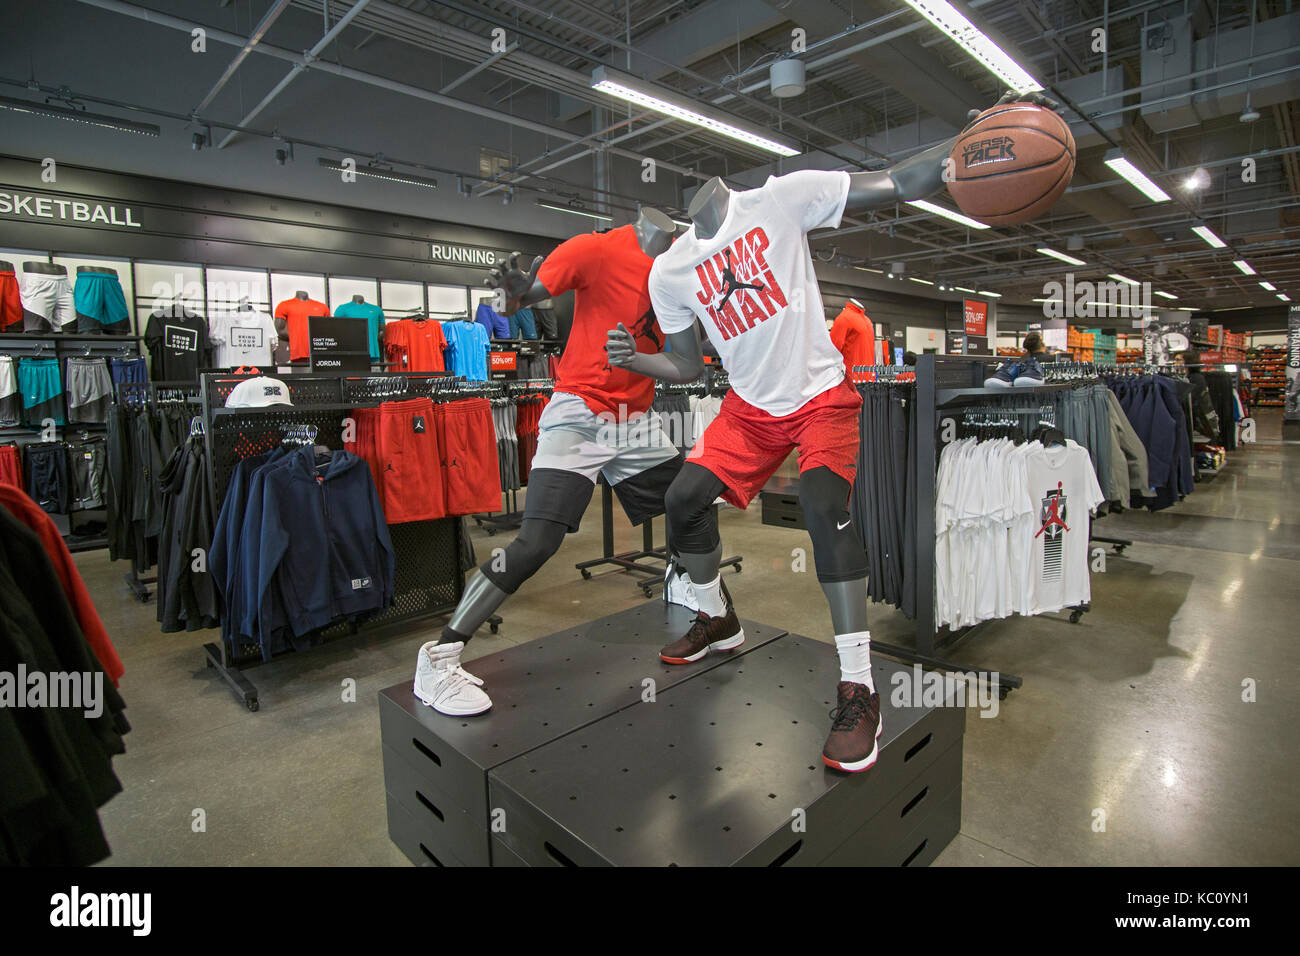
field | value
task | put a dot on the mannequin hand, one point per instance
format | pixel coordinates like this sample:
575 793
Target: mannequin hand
511 283
619 346
1011 96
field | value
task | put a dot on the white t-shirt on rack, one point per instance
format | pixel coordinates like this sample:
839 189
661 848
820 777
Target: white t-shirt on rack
243 338
753 287
1064 492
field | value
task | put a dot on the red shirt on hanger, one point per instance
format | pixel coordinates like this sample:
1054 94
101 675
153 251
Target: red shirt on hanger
295 312
416 344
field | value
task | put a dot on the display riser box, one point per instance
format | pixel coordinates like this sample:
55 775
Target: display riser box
722 767
435 766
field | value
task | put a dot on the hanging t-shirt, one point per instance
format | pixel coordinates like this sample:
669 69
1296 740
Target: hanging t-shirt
178 345
242 338
1064 492
467 348
608 272
498 326
855 336
295 312
753 288
374 317
415 345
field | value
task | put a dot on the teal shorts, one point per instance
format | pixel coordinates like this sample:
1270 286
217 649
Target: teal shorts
42 390
100 304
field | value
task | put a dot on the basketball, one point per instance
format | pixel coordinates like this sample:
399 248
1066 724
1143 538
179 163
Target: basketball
1012 164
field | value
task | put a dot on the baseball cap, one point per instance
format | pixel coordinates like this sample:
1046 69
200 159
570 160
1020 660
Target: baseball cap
258 393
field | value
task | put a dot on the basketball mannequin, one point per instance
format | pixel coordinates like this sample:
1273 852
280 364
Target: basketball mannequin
745 273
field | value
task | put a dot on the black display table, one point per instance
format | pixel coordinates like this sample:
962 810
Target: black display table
576 766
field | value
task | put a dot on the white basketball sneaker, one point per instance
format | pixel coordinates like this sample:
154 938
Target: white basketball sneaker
678 588
444 685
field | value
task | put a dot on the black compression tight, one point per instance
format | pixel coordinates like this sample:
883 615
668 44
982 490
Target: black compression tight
537 541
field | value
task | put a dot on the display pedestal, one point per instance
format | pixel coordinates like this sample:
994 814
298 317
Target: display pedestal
578 764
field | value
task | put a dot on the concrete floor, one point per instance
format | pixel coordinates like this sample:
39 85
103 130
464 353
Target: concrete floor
1136 712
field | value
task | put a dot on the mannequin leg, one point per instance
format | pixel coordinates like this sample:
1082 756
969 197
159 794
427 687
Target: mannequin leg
693 530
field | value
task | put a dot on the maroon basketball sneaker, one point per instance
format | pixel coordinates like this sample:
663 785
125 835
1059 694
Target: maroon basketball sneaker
721 633
855 729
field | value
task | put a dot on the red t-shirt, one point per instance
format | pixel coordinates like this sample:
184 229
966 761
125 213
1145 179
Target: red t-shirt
416 345
295 312
609 273
854 335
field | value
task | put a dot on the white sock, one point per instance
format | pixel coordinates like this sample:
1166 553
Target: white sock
709 597
855 657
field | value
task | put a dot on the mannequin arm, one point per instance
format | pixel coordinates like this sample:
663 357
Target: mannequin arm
685 363
515 288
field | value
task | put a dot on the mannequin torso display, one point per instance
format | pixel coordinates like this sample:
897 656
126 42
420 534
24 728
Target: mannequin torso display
45 268
102 270
291 317
854 334
358 308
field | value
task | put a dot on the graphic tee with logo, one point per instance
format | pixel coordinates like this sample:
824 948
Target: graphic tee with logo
294 313
608 273
243 338
1063 492
753 288
178 345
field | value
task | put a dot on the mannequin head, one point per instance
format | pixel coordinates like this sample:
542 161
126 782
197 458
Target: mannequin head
654 231
709 208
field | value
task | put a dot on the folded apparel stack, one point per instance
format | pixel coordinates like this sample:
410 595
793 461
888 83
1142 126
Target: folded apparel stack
100 304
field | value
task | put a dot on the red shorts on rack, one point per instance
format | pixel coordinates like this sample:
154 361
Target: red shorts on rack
365 444
11 304
471 473
744 445
11 466
410 473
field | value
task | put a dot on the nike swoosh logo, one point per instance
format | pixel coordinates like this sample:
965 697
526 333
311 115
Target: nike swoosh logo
841 527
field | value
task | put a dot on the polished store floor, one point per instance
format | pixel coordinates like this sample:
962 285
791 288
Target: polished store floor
1134 718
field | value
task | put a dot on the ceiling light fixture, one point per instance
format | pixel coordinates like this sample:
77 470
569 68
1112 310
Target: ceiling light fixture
380 172
1114 158
975 42
679 106
991 295
962 288
1284 297
1244 266
1165 295
878 272
79 116
1119 278
576 210
1269 286
1205 233
938 210
922 281
1044 251
1199 179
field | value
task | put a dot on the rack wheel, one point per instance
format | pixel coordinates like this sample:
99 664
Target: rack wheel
1075 615
491 531
738 569
586 575
1003 690
1119 548
252 705
494 628
647 590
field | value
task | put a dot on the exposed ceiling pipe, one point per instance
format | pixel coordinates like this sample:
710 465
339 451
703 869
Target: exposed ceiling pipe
254 39
307 59
474 71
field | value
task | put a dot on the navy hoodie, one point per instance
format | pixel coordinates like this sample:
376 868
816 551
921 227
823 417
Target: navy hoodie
325 542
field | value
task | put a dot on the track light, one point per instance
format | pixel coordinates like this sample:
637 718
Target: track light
577 210
79 116
975 42
380 172
679 106
198 141
1114 158
1043 250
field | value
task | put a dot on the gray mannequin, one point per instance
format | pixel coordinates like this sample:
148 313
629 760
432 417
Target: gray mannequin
515 290
916 177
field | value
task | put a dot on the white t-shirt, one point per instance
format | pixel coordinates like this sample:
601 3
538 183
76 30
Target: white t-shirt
242 338
1064 492
752 286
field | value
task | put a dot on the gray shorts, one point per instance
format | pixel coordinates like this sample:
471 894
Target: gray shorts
90 389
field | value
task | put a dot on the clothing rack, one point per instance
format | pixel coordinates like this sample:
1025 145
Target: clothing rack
430 580
511 518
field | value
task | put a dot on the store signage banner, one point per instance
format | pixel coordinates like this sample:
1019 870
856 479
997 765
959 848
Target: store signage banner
338 344
503 361
462 255
1166 336
1291 412
36 207
977 317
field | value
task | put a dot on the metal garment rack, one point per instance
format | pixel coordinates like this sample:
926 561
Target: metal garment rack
945 383
511 518
429 580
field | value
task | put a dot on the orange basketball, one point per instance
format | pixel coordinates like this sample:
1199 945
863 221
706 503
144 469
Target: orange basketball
1012 164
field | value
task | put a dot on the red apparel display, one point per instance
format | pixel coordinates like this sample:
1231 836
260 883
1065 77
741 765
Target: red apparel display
415 345
854 334
11 467
74 588
295 312
609 274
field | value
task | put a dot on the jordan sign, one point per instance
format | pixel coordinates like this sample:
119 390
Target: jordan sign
977 317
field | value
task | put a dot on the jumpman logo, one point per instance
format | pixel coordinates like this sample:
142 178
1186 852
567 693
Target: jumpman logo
730 285
1051 513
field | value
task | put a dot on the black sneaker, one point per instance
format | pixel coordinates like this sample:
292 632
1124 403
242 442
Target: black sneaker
720 633
855 729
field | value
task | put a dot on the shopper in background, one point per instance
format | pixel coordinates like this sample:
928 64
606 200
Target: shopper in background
1205 420
909 358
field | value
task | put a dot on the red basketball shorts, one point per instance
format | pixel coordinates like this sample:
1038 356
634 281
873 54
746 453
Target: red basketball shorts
410 466
744 444
471 472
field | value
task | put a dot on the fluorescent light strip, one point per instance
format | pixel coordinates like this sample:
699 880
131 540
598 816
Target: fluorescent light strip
1269 286
1102 305
962 288
375 172
558 207
1284 297
1116 161
938 210
1165 295
975 42
922 281
1205 233
1244 266
79 116
879 272
1119 278
627 87
991 295
1044 251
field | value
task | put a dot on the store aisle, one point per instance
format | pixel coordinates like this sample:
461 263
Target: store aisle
1136 711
